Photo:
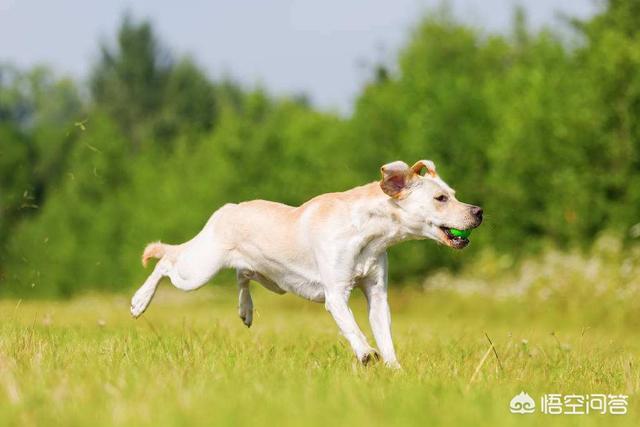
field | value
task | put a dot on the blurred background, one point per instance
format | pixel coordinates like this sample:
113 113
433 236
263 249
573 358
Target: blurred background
131 121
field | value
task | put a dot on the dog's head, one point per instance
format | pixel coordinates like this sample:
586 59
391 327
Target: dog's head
427 206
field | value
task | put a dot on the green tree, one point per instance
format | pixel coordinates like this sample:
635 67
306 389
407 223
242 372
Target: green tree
150 95
37 116
610 60
129 79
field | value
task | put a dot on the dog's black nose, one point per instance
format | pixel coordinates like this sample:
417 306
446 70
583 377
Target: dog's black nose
477 212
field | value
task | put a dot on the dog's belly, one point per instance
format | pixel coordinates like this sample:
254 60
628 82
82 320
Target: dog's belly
308 290
282 277
267 238
298 285
296 276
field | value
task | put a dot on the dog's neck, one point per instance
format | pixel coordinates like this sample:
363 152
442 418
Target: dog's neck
385 222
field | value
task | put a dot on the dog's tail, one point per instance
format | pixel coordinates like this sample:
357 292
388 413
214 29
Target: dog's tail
154 250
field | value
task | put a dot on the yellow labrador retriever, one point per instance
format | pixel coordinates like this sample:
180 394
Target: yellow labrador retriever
320 250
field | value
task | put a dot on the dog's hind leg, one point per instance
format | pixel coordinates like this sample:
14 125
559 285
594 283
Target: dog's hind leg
196 262
245 303
144 295
189 266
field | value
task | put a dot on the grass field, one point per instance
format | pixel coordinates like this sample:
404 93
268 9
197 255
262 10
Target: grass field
190 361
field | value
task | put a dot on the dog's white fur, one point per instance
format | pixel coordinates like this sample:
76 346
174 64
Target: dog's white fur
320 250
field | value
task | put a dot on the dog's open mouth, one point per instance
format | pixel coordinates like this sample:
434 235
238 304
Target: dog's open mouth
457 239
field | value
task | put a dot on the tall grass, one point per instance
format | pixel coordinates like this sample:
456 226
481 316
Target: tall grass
190 361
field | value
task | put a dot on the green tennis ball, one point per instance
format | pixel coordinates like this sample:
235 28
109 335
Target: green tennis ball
460 233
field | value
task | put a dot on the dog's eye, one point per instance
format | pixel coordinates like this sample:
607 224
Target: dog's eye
441 198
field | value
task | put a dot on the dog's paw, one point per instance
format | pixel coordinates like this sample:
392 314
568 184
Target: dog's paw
140 302
393 365
246 315
369 356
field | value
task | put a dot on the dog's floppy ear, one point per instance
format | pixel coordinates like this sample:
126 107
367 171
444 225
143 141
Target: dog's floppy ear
395 177
425 164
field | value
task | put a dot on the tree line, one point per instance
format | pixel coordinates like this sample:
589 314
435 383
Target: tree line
541 129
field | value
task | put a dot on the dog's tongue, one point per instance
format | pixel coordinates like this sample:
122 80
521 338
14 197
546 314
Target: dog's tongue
460 233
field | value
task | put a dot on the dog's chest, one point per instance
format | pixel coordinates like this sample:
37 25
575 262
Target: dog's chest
364 265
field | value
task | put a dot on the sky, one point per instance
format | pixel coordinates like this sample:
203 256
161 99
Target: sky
323 48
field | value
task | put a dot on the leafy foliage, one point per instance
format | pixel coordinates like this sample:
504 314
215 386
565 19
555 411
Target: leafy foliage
542 132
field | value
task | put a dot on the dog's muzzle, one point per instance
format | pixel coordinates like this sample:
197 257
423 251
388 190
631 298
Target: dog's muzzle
455 242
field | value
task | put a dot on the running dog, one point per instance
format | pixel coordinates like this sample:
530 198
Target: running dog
320 250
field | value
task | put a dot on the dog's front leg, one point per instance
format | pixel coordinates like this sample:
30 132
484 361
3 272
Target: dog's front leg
336 303
375 290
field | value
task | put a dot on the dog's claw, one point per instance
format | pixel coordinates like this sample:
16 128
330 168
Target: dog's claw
246 322
369 356
246 317
136 311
